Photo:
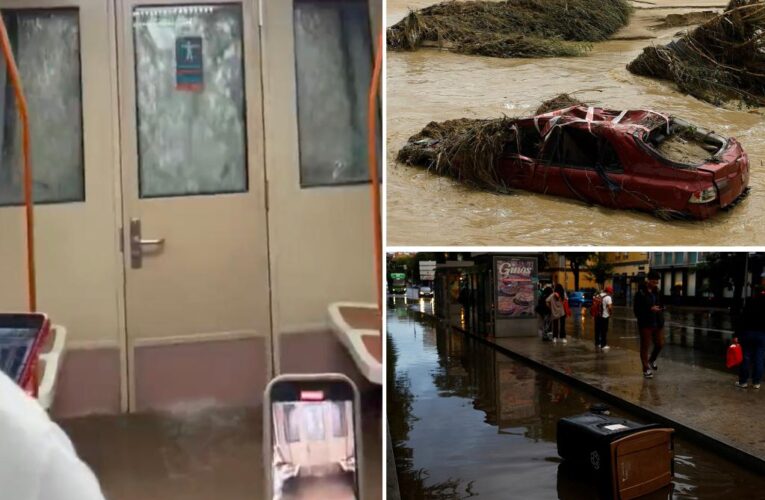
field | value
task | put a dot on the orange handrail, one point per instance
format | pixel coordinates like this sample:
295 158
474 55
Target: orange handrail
21 104
373 173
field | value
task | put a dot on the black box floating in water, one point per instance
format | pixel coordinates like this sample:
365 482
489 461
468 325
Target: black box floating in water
627 459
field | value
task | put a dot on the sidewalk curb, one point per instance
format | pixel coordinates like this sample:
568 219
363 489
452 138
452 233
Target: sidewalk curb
392 488
717 445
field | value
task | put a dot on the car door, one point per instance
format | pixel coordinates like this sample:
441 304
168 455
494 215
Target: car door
569 159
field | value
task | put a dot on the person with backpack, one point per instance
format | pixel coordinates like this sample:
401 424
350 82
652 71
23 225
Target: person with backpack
750 329
602 307
649 312
555 301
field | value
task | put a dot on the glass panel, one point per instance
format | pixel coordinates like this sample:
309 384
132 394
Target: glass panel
47 49
339 424
679 258
692 257
190 100
333 61
292 430
313 420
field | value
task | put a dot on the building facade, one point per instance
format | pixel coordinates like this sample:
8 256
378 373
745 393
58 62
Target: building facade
629 268
681 280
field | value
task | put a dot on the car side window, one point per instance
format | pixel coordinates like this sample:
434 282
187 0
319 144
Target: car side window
551 147
579 148
608 157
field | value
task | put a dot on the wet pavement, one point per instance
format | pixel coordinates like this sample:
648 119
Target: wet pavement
692 389
428 85
694 337
199 453
466 421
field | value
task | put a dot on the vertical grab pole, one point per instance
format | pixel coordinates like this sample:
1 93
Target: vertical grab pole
21 104
373 173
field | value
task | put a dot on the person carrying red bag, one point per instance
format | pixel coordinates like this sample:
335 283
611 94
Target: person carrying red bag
735 354
750 328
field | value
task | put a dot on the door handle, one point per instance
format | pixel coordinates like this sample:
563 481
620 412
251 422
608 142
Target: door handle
158 241
137 243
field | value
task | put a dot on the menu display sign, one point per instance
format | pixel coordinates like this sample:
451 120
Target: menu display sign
516 280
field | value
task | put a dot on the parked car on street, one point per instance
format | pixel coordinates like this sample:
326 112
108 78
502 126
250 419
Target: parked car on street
587 297
575 299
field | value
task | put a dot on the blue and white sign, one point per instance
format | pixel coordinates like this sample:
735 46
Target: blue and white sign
189 68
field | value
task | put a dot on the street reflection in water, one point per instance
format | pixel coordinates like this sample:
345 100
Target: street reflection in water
467 421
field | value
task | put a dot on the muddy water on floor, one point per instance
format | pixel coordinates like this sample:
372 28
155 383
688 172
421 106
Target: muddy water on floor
198 452
467 421
428 85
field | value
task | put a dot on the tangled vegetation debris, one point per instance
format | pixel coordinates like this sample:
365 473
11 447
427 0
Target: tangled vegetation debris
511 28
465 149
468 149
559 102
721 60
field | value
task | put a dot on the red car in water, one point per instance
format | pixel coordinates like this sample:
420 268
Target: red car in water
634 159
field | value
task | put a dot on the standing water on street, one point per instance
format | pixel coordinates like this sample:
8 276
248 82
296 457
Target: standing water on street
468 421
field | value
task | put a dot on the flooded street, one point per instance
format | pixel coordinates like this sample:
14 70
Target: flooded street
466 421
428 85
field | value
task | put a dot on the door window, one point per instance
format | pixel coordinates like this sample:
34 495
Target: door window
292 417
333 62
46 45
190 100
339 424
313 418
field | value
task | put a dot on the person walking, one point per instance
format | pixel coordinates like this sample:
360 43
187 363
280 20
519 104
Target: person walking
750 329
649 312
558 313
603 308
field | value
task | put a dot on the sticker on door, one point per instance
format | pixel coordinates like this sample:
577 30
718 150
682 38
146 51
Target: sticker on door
189 68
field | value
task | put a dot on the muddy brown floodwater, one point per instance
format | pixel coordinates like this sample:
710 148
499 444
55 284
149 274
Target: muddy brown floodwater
427 85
